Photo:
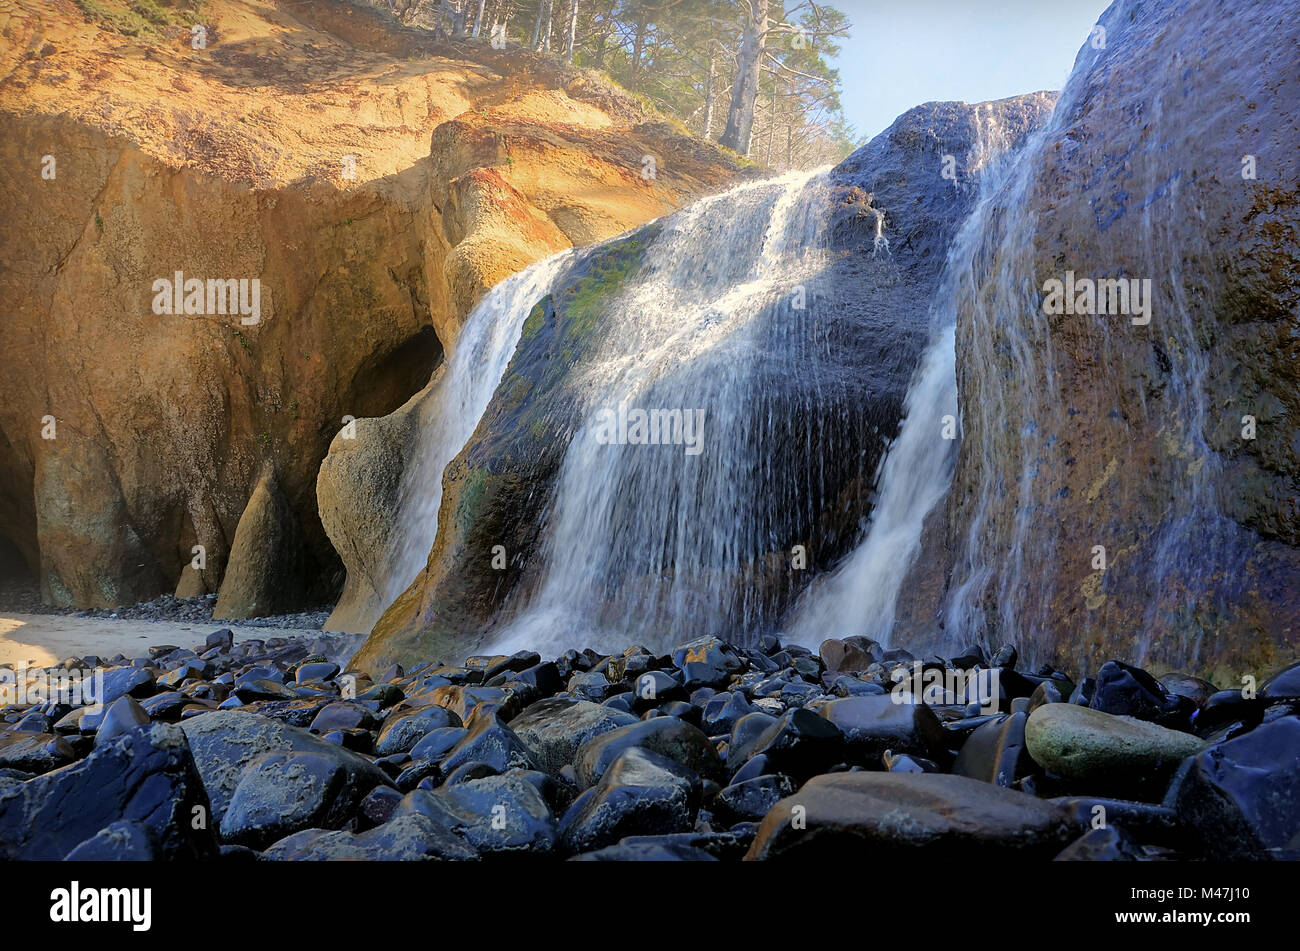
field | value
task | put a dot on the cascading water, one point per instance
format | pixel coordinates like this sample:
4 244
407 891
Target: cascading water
694 414
1085 454
860 596
461 392
1021 407
650 538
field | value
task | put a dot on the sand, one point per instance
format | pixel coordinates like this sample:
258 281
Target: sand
41 640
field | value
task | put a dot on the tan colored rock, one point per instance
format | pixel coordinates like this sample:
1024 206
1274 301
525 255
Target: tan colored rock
232 162
262 569
358 491
191 584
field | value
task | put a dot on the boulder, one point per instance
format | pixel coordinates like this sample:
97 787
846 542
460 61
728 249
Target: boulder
1105 752
123 841
1111 844
1135 178
873 724
799 744
34 752
996 752
666 736
850 654
639 793
1243 794
146 775
493 814
224 742
407 838
929 816
556 729
488 741
280 793
403 729
263 567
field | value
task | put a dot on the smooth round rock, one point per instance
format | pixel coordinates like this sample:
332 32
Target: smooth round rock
1080 743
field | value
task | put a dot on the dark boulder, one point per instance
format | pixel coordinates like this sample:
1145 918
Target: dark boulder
146 775
1243 795
880 816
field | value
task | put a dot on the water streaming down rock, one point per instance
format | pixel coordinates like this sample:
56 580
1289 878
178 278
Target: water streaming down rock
860 596
644 536
786 311
1106 501
461 391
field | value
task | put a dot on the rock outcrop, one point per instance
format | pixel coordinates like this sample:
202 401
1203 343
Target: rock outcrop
856 332
1128 482
262 569
372 180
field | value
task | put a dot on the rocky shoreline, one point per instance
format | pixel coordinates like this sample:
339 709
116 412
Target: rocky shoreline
25 598
269 749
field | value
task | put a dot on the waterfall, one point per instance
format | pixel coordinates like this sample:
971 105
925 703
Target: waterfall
727 407
461 390
860 596
647 540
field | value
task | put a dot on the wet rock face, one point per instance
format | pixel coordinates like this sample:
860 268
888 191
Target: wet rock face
791 764
1171 443
855 330
462 173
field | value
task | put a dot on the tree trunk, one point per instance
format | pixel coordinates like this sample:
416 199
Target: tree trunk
478 17
546 27
638 46
744 93
537 27
708 92
573 31
771 123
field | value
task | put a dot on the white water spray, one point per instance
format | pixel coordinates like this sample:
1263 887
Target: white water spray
462 388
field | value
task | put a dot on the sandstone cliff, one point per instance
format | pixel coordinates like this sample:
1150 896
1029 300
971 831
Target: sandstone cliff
373 181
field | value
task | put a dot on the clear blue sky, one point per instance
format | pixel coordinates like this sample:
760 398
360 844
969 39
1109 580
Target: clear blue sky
902 53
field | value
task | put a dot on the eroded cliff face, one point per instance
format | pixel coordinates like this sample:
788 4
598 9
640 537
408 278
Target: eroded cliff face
374 183
1171 444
